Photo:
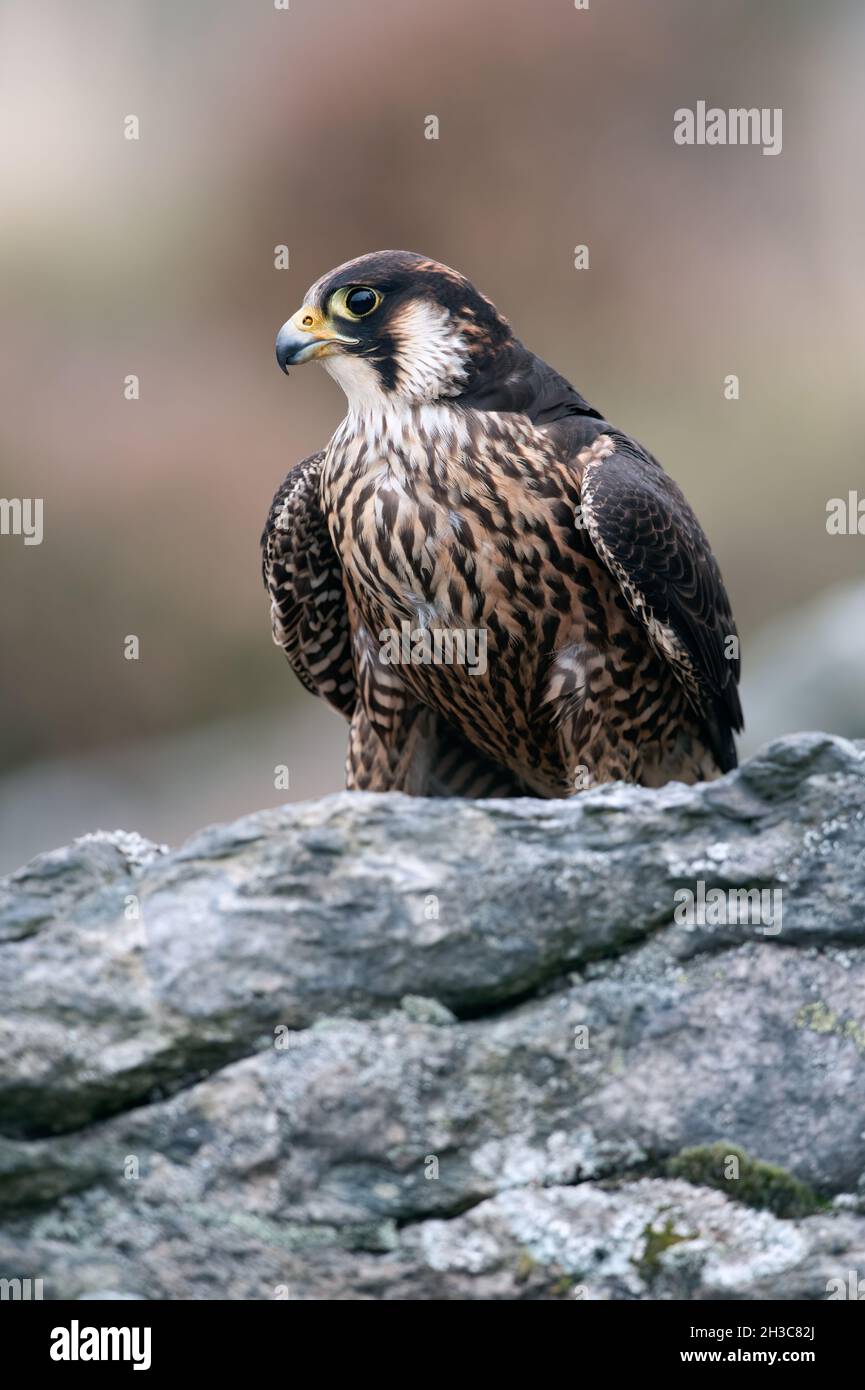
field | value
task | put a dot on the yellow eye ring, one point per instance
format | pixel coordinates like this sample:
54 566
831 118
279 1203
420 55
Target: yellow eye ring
356 301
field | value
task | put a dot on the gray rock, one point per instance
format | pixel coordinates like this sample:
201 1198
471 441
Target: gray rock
376 1047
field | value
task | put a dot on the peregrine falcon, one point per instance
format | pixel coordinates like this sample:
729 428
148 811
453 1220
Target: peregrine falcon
502 592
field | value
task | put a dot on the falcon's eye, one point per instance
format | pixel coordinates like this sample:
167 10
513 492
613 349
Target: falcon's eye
361 301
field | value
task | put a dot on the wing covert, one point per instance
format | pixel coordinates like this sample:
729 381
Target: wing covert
648 537
303 576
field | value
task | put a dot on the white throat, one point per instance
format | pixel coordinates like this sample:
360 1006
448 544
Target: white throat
361 383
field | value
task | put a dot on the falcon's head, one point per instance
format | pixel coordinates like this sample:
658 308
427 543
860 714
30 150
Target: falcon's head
396 325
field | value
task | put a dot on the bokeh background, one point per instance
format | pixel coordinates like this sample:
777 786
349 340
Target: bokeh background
305 127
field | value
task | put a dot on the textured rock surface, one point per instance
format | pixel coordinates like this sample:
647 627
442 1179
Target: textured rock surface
373 1047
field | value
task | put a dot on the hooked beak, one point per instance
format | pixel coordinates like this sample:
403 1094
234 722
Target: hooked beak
306 335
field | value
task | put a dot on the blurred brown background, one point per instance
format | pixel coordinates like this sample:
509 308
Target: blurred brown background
260 127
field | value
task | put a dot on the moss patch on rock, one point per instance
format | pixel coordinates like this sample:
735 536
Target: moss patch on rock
744 1179
657 1242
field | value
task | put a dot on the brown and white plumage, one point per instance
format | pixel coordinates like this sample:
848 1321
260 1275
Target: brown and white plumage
470 488
310 620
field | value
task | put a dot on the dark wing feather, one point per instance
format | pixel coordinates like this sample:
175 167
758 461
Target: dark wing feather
303 576
650 540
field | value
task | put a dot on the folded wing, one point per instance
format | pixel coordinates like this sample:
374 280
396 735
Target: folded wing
651 542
